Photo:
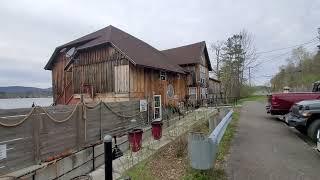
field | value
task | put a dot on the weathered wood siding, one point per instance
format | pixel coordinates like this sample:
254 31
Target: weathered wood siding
110 76
146 82
58 76
96 67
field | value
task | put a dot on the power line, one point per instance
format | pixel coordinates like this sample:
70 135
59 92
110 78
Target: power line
289 47
270 59
277 56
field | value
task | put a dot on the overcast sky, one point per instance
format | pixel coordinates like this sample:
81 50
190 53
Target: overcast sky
30 30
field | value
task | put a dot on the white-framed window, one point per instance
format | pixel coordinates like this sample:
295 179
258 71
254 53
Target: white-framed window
192 93
163 75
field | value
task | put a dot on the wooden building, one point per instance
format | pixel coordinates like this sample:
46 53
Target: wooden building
215 92
111 65
194 59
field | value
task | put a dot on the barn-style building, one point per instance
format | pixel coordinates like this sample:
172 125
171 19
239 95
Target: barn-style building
112 65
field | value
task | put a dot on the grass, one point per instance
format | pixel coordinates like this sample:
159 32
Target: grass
140 171
144 171
225 143
166 157
259 98
218 173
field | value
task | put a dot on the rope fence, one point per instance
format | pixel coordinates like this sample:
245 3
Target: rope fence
48 133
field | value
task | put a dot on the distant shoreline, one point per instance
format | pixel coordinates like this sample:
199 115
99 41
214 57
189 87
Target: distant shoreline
19 97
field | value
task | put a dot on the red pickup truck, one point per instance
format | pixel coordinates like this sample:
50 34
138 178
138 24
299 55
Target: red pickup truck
280 103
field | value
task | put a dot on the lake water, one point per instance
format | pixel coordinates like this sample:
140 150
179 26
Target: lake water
24 102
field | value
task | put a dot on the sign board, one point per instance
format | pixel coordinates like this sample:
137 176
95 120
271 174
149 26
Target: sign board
143 105
3 151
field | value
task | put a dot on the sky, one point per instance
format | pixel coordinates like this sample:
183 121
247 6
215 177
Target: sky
30 30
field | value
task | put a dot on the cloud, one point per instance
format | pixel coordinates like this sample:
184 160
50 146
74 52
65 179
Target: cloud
30 30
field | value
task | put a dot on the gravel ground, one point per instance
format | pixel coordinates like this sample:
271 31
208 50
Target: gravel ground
265 148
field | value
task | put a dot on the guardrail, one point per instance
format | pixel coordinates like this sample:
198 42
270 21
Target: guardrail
202 149
218 132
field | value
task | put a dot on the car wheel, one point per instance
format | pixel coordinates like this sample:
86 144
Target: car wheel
302 129
313 130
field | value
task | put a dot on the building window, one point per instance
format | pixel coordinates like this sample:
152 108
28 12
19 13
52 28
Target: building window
192 93
204 93
163 75
202 75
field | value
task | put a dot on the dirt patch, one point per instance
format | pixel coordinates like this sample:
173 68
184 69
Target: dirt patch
171 162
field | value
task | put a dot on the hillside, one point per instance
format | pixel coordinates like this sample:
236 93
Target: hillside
24 92
301 70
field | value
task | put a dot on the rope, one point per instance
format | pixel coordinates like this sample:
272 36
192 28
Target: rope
118 114
20 122
69 116
92 107
63 120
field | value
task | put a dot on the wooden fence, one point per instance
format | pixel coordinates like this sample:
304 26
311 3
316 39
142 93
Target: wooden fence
45 134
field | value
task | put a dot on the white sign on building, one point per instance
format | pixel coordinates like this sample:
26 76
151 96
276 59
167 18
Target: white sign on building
143 105
3 151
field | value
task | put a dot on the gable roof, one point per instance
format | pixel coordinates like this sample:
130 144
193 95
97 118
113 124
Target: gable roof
136 50
213 79
189 54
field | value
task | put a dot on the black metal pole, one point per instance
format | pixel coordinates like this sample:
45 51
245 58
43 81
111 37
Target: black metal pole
108 157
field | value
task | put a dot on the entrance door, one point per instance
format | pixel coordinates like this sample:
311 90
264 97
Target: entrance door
157 107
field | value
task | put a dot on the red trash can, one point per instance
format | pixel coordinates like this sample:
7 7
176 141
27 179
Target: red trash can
135 139
156 129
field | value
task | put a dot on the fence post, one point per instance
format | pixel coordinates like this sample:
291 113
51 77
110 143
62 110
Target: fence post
36 134
80 126
108 157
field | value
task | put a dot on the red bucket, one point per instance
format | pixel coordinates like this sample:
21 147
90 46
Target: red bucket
135 139
156 129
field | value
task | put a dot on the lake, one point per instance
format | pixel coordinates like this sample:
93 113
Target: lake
24 102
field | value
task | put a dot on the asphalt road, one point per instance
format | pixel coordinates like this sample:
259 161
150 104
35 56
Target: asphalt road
265 148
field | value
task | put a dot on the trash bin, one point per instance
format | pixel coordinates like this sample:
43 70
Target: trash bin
135 139
318 140
156 129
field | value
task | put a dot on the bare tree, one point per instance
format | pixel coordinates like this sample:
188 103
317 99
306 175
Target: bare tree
249 53
217 49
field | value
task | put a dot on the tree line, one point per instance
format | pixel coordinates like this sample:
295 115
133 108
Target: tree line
301 70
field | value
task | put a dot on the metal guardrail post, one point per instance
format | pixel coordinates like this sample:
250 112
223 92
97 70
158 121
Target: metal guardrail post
108 157
203 150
